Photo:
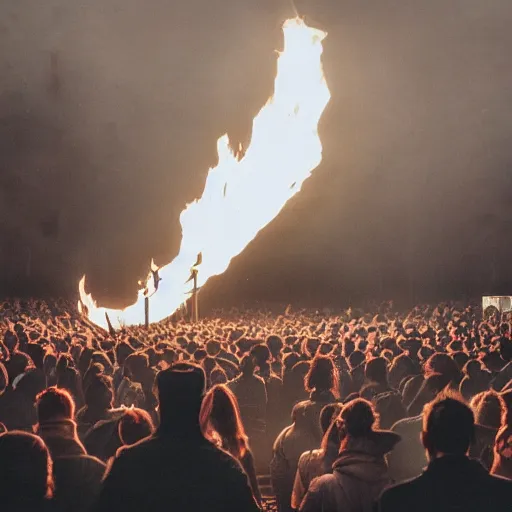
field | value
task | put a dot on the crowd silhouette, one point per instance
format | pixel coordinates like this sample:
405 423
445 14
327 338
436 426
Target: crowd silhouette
354 411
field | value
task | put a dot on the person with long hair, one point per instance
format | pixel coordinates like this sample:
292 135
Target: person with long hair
322 382
222 425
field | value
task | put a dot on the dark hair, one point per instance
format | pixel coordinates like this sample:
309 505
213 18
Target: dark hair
376 370
322 375
275 345
134 425
180 390
488 408
25 471
359 417
99 393
260 354
54 404
448 425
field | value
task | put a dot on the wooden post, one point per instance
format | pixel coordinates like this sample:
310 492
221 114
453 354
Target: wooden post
195 300
146 312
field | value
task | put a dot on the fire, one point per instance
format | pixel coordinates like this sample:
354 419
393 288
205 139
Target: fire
241 196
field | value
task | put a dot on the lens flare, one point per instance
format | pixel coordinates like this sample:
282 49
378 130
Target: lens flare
241 196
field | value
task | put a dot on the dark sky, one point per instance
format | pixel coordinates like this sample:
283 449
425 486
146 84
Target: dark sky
110 112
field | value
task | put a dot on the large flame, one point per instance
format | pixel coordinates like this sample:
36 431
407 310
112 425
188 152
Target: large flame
242 196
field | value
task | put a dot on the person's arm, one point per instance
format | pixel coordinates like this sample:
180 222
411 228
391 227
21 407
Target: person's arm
248 466
299 489
313 501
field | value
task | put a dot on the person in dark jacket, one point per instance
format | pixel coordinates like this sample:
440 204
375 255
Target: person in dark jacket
77 475
452 481
26 478
177 467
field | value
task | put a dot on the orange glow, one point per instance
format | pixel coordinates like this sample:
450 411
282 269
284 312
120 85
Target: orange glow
241 197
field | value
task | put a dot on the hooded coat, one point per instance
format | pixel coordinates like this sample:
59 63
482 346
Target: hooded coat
359 476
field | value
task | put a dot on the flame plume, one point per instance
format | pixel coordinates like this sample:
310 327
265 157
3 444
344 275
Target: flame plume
241 196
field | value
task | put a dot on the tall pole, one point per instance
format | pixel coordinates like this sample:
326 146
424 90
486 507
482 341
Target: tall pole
195 299
146 312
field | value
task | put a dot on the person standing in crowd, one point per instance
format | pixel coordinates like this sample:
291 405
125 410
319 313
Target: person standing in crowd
77 475
251 394
221 424
360 473
26 475
321 382
177 465
451 481
318 462
290 444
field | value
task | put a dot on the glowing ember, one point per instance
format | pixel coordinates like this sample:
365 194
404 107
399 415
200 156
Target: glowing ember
242 196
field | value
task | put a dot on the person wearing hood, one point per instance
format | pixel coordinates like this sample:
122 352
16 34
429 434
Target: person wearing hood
360 473
177 466
452 481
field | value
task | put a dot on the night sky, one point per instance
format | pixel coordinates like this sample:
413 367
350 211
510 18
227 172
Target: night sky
110 112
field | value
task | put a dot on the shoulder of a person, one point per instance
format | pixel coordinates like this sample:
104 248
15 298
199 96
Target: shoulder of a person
138 449
320 483
500 484
401 490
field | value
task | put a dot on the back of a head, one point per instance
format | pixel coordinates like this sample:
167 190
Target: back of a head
488 408
247 366
359 417
322 375
99 393
213 348
376 370
448 425
36 353
443 364
356 358
275 345
135 424
25 471
180 393
260 354
220 411
54 404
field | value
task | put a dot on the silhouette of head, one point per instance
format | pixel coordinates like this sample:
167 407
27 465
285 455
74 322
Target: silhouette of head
25 471
180 393
136 424
54 404
448 426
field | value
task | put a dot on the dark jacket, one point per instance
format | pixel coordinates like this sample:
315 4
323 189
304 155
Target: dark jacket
77 482
450 484
185 473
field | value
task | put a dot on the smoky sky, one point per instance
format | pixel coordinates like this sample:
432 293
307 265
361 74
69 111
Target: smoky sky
110 113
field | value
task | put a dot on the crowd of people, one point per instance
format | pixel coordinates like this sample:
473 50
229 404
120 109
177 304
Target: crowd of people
351 411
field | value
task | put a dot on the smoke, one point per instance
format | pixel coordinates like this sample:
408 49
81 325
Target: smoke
110 112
